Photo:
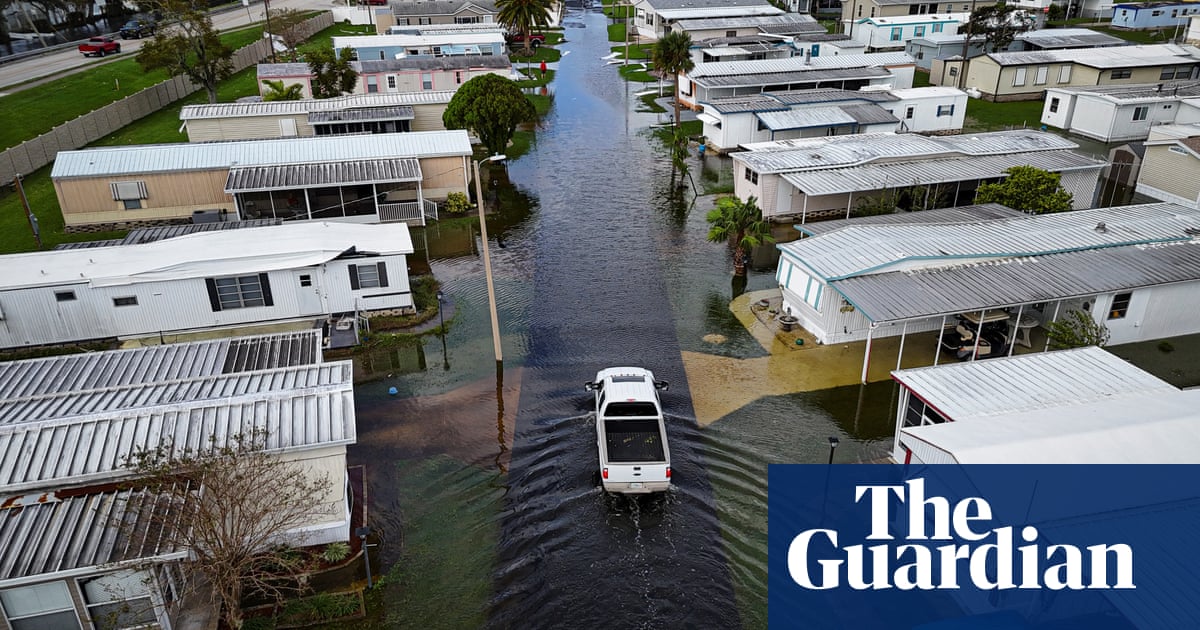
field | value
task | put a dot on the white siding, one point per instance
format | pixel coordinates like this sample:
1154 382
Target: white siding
1081 184
1155 313
1062 118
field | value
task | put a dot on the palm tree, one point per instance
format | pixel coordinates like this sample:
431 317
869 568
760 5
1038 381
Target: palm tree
740 223
278 91
672 55
523 17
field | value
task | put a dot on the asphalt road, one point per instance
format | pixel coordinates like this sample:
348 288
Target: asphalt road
25 73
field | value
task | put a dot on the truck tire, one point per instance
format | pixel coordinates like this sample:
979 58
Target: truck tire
537 43
100 53
117 49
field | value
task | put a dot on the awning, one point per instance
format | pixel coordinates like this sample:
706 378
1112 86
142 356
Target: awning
287 176
366 114
708 119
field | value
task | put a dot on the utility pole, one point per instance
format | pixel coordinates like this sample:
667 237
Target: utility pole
962 69
628 9
33 222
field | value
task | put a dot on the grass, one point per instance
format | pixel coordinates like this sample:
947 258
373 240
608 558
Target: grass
1138 37
636 51
921 79
39 109
535 78
616 32
540 54
988 116
636 72
614 10
650 105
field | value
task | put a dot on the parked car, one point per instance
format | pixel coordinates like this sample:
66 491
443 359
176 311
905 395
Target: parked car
517 39
631 437
137 29
99 46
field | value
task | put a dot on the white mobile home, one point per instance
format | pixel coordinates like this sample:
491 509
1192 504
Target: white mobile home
207 280
894 33
1111 113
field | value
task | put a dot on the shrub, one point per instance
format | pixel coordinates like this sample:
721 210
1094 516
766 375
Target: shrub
1076 330
320 608
335 552
457 203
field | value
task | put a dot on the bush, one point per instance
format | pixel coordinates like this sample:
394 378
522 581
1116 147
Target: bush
320 608
335 552
1078 329
457 203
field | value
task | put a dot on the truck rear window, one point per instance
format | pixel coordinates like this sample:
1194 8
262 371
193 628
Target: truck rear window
630 409
633 441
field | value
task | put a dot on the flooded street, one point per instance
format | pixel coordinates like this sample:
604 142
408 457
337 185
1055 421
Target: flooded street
481 484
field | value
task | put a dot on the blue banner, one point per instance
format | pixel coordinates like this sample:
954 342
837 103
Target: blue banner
984 547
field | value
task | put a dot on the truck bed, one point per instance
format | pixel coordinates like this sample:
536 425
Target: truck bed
633 440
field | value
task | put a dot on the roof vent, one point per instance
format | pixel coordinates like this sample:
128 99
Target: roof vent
1192 231
1101 228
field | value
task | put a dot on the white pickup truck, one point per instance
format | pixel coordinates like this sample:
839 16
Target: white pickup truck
631 436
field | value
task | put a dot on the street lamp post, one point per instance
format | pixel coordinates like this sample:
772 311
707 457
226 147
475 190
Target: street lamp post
363 532
487 261
441 297
833 444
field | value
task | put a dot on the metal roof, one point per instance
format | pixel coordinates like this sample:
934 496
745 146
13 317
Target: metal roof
855 149
1114 57
660 5
460 27
439 7
284 176
1165 91
798 21
394 112
797 64
158 233
405 41
809 75
205 254
718 11
1043 380
902 295
157 364
72 532
162 158
805 117
924 18
881 175
376 66
762 102
95 447
311 105
868 114
871 249
829 95
961 214
1069 38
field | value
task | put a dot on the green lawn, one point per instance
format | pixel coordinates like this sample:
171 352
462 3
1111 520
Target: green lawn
1138 37
616 32
921 79
536 80
988 116
37 110
636 72
540 54
636 51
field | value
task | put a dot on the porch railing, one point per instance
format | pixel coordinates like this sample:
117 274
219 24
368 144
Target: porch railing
403 211
431 211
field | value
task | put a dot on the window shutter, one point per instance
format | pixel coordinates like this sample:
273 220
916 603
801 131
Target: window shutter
265 283
213 299
354 277
382 273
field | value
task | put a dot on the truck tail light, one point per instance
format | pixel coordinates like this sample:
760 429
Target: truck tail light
604 473
668 472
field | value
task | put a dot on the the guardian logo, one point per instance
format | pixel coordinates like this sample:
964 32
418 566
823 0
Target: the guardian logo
975 551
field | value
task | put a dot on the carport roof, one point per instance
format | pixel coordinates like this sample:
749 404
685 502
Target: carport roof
283 176
396 112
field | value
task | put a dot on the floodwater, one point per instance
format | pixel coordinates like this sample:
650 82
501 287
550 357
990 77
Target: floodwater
481 483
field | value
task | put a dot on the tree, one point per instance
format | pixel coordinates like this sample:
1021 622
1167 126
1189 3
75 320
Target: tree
492 107
1028 189
740 223
523 17
672 55
279 91
191 47
1076 330
333 73
999 24
286 25
234 505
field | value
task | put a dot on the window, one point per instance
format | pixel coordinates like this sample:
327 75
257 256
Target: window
1155 13
937 28
1064 74
1177 149
127 300
239 292
426 81
896 33
751 176
946 110
1167 106
402 21
920 54
64 296
391 81
1039 77
1120 306
954 71
121 599
730 33
1053 105
917 413
1140 113
305 280
368 276
1122 74
130 194
1019 77
372 84
908 113
424 21
919 31
381 56
39 607
458 77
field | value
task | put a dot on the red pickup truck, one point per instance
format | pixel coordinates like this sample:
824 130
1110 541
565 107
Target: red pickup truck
99 46
517 39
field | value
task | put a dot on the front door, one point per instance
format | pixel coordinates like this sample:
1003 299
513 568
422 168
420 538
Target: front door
308 292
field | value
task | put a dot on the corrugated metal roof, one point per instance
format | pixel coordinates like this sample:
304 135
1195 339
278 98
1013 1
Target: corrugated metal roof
660 5
158 233
283 176
924 18
708 12
89 244
157 364
205 254
878 176
795 64
1069 38
961 214
1118 57
94 448
310 105
1165 91
1034 381
900 295
836 151
83 530
395 112
751 103
829 95
376 66
440 7
870 249
160 158
461 27
403 41
805 117
792 20
797 77
868 114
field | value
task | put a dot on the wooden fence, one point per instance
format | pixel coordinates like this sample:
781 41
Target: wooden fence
78 133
